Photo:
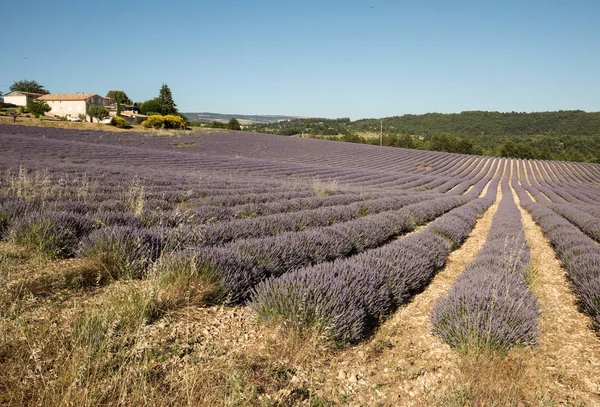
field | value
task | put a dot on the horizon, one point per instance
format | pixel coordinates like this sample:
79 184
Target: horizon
355 59
383 117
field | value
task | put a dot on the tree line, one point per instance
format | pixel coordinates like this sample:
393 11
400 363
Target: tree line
562 135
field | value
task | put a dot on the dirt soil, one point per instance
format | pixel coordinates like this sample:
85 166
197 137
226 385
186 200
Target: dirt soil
567 361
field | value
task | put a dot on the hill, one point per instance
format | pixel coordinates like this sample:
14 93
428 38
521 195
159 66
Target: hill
206 117
572 135
475 123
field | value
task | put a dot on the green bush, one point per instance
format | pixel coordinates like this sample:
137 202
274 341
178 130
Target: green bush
38 107
217 125
234 124
98 112
118 122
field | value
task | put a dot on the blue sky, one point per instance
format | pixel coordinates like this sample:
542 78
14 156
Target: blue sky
350 58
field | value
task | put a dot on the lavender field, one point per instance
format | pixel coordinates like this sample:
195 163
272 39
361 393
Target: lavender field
301 235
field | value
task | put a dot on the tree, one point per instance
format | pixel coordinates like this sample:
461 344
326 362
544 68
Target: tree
98 112
444 142
38 107
28 86
234 124
163 104
516 150
150 107
166 100
119 97
217 125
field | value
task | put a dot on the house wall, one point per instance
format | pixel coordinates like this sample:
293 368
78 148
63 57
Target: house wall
19 100
67 107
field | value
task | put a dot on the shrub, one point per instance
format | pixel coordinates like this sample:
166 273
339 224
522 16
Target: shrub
121 251
118 122
217 125
4 222
155 121
53 235
98 112
158 121
9 211
38 107
183 280
490 307
470 318
174 122
234 124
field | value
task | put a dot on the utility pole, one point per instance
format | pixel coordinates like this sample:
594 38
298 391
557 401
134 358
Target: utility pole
381 134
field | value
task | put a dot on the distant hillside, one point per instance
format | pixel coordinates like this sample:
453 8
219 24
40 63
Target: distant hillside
568 135
475 123
244 119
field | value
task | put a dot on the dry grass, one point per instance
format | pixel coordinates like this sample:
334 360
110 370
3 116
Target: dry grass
112 344
50 122
54 123
495 381
325 188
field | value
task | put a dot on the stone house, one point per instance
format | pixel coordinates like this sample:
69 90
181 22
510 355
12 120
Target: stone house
20 98
72 104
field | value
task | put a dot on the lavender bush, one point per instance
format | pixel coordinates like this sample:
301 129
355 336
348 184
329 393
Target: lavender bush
348 298
52 234
490 307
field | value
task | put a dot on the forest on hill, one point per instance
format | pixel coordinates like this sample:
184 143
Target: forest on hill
572 135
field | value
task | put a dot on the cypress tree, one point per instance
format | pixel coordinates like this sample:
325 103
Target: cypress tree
166 100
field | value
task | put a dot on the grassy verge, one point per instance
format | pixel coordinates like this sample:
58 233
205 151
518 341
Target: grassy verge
67 339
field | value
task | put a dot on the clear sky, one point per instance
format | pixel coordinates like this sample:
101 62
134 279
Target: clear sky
328 58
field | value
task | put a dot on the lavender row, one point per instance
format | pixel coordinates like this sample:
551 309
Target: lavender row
570 208
490 306
224 232
589 224
348 298
208 150
77 151
579 254
243 264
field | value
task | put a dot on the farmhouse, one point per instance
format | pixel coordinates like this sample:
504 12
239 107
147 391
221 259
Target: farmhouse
20 98
72 104
132 117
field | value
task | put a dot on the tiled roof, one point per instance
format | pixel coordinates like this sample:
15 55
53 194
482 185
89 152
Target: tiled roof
128 113
24 93
68 96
